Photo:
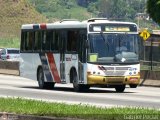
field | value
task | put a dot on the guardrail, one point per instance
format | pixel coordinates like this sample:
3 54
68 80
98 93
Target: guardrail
9 67
150 70
150 65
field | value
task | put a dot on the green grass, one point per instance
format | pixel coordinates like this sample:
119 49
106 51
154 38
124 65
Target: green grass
14 14
40 108
9 42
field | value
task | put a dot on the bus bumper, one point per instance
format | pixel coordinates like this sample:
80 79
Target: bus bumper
112 80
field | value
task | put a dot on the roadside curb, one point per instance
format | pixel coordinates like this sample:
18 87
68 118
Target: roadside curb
10 116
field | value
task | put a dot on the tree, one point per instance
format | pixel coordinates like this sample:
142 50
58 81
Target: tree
85 3
153 8
113 9
120 9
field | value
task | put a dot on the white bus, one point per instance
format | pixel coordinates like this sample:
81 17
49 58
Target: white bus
86 54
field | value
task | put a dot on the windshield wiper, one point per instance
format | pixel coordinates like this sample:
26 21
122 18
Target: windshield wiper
102 35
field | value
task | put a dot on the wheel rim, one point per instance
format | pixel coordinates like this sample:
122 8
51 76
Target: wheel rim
75 82
41 78
76 86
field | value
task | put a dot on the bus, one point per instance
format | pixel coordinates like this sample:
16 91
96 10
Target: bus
83 53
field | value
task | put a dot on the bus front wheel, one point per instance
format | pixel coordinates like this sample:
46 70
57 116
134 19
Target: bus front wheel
133 85
76 86
120 88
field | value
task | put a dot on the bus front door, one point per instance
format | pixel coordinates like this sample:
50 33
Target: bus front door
63 37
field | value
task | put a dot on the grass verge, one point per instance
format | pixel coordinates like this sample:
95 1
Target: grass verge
9 43
41 108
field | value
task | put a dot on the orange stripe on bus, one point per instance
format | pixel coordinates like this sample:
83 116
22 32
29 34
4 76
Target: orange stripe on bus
53 67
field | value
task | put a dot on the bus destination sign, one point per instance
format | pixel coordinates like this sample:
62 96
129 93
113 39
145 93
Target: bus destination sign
112 28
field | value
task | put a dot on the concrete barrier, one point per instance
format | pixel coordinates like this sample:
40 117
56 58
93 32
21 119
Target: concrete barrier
152 75
148 78
9 67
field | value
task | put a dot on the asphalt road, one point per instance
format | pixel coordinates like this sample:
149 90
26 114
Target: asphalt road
15 86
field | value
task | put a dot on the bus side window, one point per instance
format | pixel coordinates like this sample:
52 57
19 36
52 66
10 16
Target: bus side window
63 40
55 41
29 41
37 41
23 39
47 37
72 41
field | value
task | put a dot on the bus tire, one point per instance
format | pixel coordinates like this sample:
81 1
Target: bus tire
40 78
133 85
120 88
85 87
50 85
76 86
79 87
41 83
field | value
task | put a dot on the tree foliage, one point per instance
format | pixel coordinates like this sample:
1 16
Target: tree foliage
153 8
112 9
120 9
85 3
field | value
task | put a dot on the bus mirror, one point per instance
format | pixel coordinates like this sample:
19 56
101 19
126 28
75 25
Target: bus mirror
93 57
87 44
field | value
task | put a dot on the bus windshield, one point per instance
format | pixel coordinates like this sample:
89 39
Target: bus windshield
113 48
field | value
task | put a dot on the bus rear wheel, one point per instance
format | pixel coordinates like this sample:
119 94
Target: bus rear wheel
42 84
120 88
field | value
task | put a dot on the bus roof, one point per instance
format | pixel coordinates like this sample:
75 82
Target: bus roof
105 20
71 23
56 25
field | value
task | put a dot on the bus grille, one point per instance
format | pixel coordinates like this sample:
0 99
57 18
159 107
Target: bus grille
115 73
117 68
